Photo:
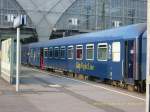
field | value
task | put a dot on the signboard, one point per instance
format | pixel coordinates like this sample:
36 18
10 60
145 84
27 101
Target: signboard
20 21
7 60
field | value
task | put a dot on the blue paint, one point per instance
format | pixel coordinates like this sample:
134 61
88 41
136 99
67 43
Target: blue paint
102 69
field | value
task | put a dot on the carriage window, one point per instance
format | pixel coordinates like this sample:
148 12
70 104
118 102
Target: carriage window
79 52
22 52
32 53
45 52
90 51
38 53
70 52
62 52
50 52
116 51
56 52
102 52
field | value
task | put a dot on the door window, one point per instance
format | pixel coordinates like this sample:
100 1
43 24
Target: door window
116 51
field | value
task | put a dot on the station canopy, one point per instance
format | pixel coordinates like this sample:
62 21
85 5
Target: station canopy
45 14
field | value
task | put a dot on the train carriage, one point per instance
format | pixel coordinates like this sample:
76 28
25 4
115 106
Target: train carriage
117 54
25 54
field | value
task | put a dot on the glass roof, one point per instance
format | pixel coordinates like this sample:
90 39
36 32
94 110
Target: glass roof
45 14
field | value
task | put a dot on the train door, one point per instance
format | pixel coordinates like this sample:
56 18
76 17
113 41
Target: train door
116 61
130 61
41 58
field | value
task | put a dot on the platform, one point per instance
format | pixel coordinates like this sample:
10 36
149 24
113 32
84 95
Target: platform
48 92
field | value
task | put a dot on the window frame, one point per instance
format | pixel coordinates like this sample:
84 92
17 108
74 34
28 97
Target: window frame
63 47
45 48
87 45
39 53
32 52
49 52
76 52
101 47
55 51
72 48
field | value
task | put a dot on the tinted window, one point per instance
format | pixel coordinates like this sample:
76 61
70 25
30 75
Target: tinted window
56 52
62 52
45 52
50 52
102 52
79 52
90 51
31 52
70 52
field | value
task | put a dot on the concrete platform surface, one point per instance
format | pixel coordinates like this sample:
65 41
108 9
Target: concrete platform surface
45 92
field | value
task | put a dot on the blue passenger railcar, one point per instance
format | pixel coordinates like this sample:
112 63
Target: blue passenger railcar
35 55
114 54
25 54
